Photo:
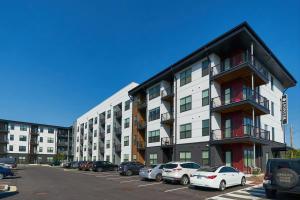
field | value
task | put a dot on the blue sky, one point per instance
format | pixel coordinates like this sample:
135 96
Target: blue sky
60 58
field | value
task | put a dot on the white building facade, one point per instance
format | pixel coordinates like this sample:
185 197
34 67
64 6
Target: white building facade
104 132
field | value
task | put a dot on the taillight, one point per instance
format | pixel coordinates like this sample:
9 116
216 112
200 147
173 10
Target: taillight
211 177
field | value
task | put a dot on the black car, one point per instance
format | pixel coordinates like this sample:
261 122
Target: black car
130 168
100 166
282 175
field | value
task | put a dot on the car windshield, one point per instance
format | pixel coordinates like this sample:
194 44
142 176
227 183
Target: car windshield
170 166
208 169
153 166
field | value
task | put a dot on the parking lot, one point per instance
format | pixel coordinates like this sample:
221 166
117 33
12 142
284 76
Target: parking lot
37 182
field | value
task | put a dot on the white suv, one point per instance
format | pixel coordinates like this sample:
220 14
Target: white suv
179 171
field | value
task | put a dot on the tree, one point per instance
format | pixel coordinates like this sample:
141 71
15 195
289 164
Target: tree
59 157
294 153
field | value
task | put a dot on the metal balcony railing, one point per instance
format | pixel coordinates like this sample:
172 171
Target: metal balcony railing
247 94
167 118
140 145
238 60
240 132
167 93
141 125
118 131
166 142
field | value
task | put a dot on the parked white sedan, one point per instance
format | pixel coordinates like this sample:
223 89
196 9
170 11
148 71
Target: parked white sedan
217 177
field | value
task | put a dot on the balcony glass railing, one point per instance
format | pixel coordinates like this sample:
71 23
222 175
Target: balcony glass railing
247 94
167 117
240 132
238 60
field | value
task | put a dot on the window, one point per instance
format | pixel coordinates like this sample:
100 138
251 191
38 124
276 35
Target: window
154 92
273 133
94 158
96 120
22 159
50 140
95 146
49 159
41 139
11 148
153 159
127 105
40 149
186 131
248 158
107 158
205 127
95 133
185 156
85 125
11 137
186 103
126 123
186 77
77 149
49 149
272 83
22 148
126 158
50 130
23 128
205 157
272 108
205 97
126 141
205 67
108 129
12 127
154 136
107 144
41 129
108 114
154 114
23 138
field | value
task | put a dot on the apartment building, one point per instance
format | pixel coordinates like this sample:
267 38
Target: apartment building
219 105
104 132
34 143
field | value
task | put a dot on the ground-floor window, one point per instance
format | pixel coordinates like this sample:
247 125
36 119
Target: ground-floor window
185 156
94 158
49 159
125 157
40 159
228 158
153 159
107 158
248 158
205 157
22 159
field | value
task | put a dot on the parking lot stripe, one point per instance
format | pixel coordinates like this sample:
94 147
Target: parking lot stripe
106 176
129 181
125 177
219 198
145 185
181 188
242 196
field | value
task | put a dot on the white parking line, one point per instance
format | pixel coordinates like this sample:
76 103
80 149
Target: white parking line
129 181
120 178
106 176
145 185
181 188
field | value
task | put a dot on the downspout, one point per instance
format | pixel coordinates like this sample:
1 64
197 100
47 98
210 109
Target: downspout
175 116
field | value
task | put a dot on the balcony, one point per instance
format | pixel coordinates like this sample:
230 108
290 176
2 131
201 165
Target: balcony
167 119
140 145
3 140
101 149
34 142
141 105
118 148
62 143
34 131
241 134
102 135
3 127
118 114
102 120
118 131
166 142
141 126
247 100
240 65
167 94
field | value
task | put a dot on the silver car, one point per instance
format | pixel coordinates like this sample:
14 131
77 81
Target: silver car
154 172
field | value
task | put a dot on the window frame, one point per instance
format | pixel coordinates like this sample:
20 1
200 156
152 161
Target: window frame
154 114
185 77
205 129
186 133
186 106
154 136
205 99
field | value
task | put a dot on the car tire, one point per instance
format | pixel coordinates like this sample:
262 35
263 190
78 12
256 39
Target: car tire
184 180
99 169
158 177
270 194
222 185
129 173
243 181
